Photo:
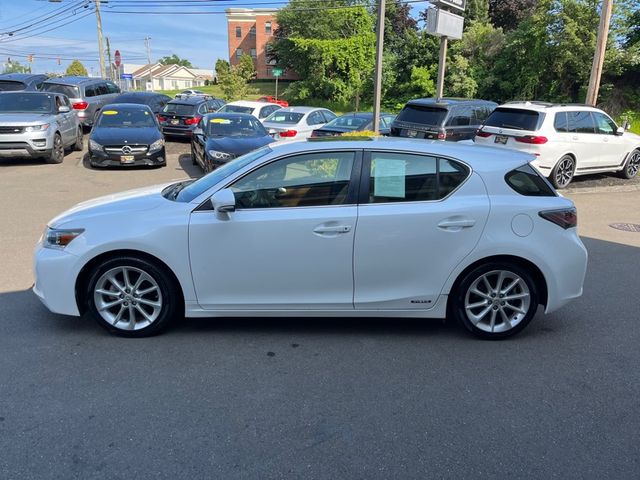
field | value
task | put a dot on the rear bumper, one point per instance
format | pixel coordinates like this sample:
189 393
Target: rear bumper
101 159
177 131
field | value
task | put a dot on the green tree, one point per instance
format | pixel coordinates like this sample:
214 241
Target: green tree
15 67
245 68
76 68
175 60
234 80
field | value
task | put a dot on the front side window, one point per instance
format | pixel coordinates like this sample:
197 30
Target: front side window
604 124
308 180
581 122
407 177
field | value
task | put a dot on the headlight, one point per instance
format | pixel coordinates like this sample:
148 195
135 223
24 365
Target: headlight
219 155
59 238
93 145
37 128
157 145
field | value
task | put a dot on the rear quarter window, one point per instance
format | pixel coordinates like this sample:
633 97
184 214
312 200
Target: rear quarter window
514 118
526 181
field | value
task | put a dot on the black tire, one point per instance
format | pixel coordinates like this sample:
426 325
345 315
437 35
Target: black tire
79 145
193 157
57 152
563 172
166 294
495 306
631 165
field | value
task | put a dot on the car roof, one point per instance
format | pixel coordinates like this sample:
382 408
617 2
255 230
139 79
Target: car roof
448 101
362 114
71 80
480 158
246 103
230 115
22 92
127 106
545 106
193 100
298 109
142 94
20 77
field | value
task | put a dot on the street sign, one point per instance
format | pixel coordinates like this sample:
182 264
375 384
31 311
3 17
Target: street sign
126 76
118 58
276 72
444 24
459 4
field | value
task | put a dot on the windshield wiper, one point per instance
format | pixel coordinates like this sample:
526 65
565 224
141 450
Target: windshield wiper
177 188
514 127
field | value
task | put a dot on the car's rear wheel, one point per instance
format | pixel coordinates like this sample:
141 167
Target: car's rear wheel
495 300
132 297
57 152
563 172
631 166
78 146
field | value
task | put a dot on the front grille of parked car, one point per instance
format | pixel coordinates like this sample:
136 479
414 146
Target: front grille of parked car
123 150
11 130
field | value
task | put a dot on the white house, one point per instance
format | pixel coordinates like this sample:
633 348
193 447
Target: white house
167 77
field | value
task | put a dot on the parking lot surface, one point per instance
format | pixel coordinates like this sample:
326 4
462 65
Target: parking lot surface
314 398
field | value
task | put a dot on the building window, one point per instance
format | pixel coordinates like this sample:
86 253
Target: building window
238 53
174 83
267 28
252 32
253 53
238 32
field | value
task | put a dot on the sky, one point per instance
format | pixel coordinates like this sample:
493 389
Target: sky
200 38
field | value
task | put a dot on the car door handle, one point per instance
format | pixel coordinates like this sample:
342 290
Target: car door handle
331 229
456 224
575 137
605 139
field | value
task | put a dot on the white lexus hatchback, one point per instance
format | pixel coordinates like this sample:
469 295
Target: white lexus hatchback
382 227
567 140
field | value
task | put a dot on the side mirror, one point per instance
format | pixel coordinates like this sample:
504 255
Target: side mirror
224 201
198 131
63 109
620 131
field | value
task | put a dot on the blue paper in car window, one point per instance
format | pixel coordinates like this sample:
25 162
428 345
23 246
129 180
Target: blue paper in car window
389 175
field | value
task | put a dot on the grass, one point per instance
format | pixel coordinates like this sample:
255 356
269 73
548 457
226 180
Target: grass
633 118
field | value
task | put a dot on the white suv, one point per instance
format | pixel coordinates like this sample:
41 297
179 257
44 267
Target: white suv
568 140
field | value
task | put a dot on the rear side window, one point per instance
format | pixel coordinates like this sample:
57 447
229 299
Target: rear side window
581 122
421 114
560 122
68 90
514 118
90 91
526 181
406 177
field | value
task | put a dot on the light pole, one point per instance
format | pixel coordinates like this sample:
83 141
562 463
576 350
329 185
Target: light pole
598 56
377 88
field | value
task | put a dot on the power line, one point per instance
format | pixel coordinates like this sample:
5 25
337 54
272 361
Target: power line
13 30
38 32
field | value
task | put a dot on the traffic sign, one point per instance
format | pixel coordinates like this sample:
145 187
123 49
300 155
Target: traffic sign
445 24
126 76
118 58
276 72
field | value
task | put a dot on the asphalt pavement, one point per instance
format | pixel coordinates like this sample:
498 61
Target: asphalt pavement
314 398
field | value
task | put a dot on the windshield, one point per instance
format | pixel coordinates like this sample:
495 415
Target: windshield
68 90
235 127
423 115
11 86
127 118
179 109
26 103
513 118
350 122
203 184
236 109
279 116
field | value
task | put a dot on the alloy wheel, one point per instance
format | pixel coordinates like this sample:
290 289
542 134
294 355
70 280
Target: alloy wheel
564 172
497 301
633 165
127 298
58 148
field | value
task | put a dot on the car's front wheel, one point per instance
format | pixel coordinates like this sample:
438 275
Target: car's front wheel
495 300
132 297
79 144
631 166
57 152
563 172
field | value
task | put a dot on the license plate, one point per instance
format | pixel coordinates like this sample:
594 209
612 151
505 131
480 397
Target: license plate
127 159
412 133
175 122
501 139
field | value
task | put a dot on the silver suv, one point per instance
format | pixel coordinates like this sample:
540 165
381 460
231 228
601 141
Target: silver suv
88 95
38 125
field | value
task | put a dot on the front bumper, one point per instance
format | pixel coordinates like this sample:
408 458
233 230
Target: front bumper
26 145
55 272
103 159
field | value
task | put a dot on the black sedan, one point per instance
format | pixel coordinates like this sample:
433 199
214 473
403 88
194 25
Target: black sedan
350 122
221 137
155 101
126 134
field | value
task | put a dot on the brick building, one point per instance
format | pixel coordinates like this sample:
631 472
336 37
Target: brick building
249 31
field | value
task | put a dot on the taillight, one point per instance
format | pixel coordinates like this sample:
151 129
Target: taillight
162 119
532 139
192 121
565 217
482 134
80 105
288 133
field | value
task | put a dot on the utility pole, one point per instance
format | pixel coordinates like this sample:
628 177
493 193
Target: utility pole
100 41
109 57
377 88
598 57
147 43
442 61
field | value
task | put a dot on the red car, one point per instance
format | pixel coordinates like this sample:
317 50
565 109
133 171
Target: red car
272 99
